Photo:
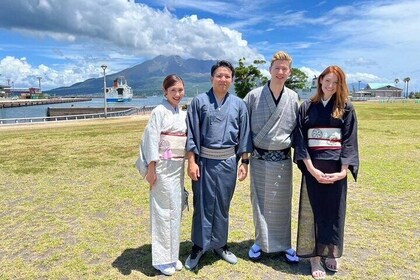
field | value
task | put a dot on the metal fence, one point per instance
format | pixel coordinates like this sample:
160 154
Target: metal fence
129 112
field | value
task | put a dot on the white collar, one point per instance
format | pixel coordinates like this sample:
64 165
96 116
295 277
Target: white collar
326 101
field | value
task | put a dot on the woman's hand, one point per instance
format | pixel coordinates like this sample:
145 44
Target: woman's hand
151 174
337 176
316 173
320 176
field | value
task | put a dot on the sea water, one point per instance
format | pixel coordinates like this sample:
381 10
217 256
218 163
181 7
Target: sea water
41 110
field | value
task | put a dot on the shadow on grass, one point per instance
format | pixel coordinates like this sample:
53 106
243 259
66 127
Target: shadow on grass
140 259
274 260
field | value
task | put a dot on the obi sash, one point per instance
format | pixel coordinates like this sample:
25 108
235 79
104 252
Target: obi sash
324 138
271 155
217 153
172 145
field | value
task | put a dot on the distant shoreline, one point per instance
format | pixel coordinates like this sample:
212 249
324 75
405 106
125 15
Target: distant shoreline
10 103
79 122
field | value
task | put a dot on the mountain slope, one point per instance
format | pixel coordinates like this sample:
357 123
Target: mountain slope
146 78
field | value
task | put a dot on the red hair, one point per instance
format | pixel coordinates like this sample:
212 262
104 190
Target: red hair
341 95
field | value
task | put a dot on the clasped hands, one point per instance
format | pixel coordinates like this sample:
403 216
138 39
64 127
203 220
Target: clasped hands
327 178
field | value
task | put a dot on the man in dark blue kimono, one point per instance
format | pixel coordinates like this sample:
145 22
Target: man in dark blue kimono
218 135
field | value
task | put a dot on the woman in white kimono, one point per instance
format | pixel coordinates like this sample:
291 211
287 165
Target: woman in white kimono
163 149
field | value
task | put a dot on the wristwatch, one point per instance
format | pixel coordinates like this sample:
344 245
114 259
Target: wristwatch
245 161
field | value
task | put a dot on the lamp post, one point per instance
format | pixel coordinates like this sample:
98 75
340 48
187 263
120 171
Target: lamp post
105 109
39 83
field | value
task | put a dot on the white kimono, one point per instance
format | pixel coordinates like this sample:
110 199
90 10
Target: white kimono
164 142
271 166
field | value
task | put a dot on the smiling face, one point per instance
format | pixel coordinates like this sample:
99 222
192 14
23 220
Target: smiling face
221 80
175 93
329 85
280 71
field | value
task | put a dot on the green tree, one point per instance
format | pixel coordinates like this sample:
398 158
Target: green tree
297 79
248 77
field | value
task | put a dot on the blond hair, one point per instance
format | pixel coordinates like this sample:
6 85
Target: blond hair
281 55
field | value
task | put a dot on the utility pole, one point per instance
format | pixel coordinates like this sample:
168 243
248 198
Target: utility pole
105 109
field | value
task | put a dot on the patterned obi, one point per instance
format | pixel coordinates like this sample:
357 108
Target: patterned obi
172 145
323 138
271 155
217 153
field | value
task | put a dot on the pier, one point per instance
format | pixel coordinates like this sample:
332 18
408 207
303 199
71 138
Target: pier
8 103
56 112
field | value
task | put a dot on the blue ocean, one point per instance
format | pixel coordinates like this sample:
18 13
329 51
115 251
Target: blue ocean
41 110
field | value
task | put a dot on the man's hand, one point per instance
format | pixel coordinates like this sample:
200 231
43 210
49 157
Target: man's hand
193 171
242 171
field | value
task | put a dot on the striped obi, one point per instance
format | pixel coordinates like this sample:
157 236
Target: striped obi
217 153
172 145
324 138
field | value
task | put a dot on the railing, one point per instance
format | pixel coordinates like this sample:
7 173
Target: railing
129 112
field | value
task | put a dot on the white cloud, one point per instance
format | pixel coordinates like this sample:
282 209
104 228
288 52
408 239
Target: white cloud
373 41
132 27
311 73
119 33
24 75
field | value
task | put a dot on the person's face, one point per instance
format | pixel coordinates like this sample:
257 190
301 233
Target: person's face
222 79
329 85
280 71
175 93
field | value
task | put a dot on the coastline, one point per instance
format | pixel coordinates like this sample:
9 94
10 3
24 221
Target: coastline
78 122
10 103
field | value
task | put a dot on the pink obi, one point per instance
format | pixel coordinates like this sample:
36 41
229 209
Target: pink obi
172 145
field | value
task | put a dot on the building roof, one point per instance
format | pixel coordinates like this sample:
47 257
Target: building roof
382 86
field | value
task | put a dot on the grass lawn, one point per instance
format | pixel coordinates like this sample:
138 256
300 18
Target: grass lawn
73 206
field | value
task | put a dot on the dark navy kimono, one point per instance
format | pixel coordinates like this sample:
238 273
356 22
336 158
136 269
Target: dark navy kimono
215 127
322 207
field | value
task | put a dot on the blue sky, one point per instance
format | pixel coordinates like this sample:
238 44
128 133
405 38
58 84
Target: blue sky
66 41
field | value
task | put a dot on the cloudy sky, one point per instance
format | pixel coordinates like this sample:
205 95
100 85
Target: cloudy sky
66 41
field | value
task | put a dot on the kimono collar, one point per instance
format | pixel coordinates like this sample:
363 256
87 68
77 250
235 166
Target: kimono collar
213 98
325 102
269 99
168 106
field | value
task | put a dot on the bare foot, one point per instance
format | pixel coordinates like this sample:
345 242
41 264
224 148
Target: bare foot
318 272
331 264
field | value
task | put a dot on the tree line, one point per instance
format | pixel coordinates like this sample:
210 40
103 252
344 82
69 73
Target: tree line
250 77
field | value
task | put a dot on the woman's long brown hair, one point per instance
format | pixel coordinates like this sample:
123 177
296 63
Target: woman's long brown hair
342 93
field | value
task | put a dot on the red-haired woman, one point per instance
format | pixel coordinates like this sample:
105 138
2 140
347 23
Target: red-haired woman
325 148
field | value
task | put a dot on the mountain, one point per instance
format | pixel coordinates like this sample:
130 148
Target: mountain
146 78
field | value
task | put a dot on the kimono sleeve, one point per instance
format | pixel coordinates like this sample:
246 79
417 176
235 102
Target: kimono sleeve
245 140
350 149
151 137
248 103
193 143
299 138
